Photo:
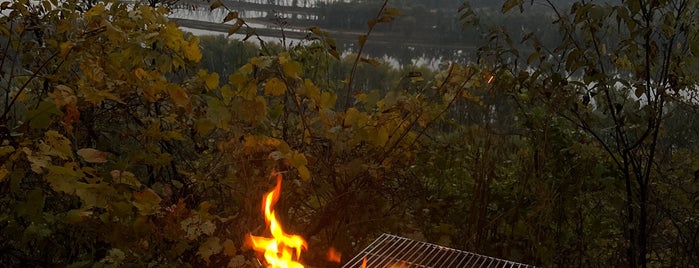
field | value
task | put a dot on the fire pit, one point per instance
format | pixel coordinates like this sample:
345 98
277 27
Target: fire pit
387 251
395 251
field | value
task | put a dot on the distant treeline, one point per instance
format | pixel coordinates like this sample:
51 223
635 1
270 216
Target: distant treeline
428 29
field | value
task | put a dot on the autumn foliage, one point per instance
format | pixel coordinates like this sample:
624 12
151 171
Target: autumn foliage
119 148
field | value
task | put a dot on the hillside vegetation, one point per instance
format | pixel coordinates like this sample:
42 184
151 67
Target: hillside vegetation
127 142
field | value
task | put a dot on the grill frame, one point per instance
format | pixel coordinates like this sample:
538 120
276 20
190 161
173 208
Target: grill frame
394 251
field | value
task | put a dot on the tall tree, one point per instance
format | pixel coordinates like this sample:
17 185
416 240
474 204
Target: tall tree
614 74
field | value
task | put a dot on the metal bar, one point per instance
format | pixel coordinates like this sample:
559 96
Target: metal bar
357 260
426 256
439 256
388 250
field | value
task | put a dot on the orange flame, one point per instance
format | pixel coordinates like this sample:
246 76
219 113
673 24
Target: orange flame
277 250
334 255
490 80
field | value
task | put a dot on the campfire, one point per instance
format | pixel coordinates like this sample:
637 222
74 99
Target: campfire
282 250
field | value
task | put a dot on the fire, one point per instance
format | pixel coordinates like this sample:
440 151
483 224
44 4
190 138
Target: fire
490 80
334 255
282 250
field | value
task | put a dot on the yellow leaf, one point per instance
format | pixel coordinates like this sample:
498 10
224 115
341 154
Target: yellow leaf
63 95
362 40
63 179
204 125
309 89
124 177
3 173
216 5
292 69
229 248
238 79
192 51
261 62
351 117
297 159
140 73
174 135
304 173
65 48
59 145
381 136
210 247
212 81
92 155
238 24
37 161
275 87
7 149
327 100
231 15
391 11
97 96
227 93
178 95
147 201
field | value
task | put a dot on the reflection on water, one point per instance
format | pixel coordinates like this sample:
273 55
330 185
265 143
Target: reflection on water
397 54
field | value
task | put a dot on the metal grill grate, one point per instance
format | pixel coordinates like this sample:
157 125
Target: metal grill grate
395 251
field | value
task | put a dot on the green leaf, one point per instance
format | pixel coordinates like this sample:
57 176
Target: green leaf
34 205
40 117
